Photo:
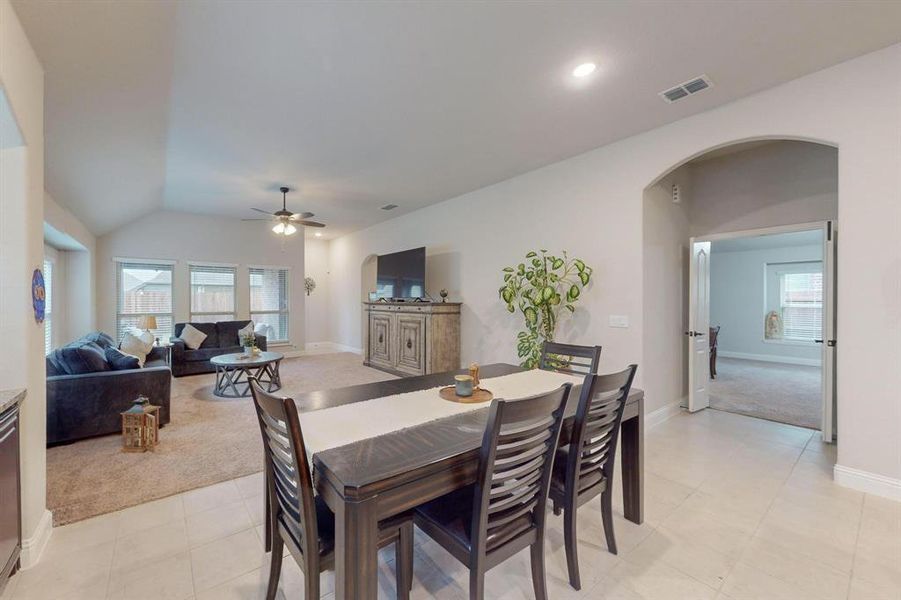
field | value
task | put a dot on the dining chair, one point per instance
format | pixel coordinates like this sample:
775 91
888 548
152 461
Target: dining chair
714 340
584 469
484 524
569 358
301 520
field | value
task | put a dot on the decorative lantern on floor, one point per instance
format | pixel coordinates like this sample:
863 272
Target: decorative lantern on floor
140 426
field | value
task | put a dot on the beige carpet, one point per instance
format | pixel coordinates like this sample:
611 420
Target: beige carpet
208 440
774 391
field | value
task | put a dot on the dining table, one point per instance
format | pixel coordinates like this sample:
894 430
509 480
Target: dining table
372 479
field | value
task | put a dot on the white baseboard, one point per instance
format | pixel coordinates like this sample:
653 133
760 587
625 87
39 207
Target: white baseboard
864 481
789 360
664 413
33 547
329 348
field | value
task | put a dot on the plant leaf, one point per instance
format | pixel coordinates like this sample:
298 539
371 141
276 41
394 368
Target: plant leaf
531 315
558 262
579 265
584 277
574 291
571 308
531 255
508 269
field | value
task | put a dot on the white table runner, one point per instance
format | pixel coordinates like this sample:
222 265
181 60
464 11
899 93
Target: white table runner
342 425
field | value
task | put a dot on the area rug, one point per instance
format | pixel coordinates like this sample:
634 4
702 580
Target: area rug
774 391
208 440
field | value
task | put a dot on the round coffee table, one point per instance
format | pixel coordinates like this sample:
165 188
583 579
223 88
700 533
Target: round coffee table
233 370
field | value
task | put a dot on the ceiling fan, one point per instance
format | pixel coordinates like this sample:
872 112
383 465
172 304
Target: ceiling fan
285 220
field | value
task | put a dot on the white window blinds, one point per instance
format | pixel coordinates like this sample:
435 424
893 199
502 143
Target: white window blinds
48 306
802 305
212 293
144 289
269 302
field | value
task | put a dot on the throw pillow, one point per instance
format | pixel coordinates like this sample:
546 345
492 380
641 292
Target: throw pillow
82 357
120 361
192 336
135 346
246 330
100 338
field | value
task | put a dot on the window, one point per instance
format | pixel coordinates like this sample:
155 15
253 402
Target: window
212 293
269 302
48 306
794 294
801 297
144 289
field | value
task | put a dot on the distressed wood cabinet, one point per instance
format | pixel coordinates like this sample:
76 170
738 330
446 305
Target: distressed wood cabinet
412 338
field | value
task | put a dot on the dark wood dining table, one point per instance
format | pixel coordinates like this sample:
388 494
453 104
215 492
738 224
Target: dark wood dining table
376 478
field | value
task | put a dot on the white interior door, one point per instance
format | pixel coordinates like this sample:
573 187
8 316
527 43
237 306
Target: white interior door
828 340
699 326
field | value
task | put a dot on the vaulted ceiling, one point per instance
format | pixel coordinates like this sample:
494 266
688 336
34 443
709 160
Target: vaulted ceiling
209 107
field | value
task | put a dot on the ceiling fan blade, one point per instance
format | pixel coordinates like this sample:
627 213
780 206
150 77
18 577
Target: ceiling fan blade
311 224
299 216
265 212
256 219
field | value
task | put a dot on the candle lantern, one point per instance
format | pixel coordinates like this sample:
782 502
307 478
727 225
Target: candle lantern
140 426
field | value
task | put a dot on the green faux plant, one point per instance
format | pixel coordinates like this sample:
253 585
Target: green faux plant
542 287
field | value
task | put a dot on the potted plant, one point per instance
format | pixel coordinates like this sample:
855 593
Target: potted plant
309 284
541 287
248 340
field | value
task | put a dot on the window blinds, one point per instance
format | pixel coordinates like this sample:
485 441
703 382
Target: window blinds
144 289
802 305
212 293
269 301
48 307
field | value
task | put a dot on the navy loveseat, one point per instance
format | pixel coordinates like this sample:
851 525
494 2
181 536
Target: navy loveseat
85 396
221 338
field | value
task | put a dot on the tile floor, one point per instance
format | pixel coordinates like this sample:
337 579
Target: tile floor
736 508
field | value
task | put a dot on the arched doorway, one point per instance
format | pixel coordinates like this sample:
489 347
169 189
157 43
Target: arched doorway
748 188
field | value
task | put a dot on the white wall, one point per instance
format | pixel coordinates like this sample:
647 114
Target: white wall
22 251
774 184
81 283
665 262
188 238
592 205
738 305
316 257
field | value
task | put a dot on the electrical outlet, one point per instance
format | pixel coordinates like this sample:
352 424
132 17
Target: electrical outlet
619 321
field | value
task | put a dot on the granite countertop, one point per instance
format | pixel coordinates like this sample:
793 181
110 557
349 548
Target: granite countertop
10 398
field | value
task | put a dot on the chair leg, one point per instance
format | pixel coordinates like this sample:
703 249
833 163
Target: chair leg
403 561
607 517
571 543
557 509
275 566
267 523
538 578
476 584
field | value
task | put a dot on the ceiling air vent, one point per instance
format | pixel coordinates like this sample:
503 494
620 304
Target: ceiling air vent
686 89
389 207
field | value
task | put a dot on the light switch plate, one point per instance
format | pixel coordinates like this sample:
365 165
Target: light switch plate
619 321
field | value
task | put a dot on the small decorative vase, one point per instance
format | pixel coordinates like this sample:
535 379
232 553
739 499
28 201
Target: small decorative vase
248 350
463 385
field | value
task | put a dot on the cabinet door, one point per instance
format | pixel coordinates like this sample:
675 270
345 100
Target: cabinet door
411 343
9 485
380 329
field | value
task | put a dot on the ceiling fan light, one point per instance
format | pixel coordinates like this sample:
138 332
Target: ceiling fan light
289 229
279 228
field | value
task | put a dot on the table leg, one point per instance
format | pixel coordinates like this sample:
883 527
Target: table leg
632 462
356 551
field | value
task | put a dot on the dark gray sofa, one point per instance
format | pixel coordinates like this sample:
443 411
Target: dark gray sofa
87 404
221 338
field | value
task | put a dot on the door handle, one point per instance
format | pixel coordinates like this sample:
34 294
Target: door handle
690 333
409 343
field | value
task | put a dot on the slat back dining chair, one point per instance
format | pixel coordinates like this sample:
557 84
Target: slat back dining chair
569 358
584 469
504 511
300 520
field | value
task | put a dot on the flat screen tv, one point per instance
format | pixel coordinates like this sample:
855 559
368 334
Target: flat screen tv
401 275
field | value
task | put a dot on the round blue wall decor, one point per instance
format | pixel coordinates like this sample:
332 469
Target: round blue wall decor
38 298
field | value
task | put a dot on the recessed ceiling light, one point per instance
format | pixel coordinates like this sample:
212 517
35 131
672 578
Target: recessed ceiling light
584 70
318 234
